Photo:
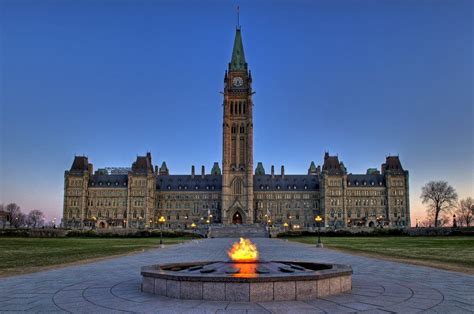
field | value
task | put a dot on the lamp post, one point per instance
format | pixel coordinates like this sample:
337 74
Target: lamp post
318 220
161 220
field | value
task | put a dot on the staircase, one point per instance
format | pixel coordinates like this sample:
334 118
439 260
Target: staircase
237 231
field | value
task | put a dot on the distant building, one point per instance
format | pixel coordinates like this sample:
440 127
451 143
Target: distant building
136 197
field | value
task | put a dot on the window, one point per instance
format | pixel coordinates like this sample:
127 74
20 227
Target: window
231 107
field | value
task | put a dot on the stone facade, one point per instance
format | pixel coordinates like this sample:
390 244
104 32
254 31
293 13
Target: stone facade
136 197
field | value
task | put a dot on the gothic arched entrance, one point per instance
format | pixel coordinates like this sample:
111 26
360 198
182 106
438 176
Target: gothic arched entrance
102 225
237 218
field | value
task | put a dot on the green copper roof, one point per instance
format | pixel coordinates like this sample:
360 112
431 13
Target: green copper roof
163 166
312 167
259 170
215 169
237 63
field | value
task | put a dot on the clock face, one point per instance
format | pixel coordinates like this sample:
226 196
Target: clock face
238 81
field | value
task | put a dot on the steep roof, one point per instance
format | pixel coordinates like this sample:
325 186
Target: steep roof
80 163
143 164
189 183
237 63
285 183
392 164
368 180
108 180
332 165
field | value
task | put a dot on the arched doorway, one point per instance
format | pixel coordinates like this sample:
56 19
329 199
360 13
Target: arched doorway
371 224
102 225
237 218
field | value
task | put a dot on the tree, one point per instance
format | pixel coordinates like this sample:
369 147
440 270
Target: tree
440 197
15 216
464 212
35 219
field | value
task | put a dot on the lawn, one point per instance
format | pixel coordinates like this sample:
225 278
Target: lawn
452 253
21 255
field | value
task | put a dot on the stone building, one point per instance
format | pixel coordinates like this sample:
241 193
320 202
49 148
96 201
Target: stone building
136 197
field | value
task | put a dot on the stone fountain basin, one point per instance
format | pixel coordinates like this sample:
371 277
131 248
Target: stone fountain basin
246 282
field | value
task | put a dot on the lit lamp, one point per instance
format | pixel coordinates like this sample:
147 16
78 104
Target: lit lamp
318 220
285 225
161 220
193 225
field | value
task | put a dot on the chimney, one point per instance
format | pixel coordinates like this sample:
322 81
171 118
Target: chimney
203 171
273 171
192 171
283 171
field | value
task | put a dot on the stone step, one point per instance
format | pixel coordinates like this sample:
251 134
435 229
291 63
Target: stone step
236 231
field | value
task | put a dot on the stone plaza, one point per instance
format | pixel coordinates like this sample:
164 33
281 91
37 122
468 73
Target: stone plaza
114 285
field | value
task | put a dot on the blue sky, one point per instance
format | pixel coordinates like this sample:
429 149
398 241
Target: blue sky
113 79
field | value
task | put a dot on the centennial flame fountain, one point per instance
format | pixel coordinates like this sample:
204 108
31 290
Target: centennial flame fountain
246 278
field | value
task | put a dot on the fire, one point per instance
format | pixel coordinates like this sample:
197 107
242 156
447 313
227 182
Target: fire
243 251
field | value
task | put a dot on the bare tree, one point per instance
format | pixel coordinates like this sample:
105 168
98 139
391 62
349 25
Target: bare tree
440 197
443 220
35 218
464 212
15 216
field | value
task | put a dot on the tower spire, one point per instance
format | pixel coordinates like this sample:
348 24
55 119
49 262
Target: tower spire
237 62
238 17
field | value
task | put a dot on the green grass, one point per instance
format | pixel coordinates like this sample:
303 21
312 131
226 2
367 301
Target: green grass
18 255
456 253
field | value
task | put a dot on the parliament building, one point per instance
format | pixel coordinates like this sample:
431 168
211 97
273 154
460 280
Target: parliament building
237 193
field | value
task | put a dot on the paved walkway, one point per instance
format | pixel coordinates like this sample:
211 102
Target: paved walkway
114 285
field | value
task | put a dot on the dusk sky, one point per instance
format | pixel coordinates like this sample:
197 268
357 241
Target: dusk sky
113 79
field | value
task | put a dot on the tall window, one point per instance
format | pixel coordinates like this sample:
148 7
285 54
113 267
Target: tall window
237 186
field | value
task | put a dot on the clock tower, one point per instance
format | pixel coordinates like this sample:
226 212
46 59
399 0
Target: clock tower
237 157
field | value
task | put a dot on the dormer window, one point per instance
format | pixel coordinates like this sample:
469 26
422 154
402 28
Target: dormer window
108 183
294 187
185 187
92 183
100 183
196 187
305 187
125 184
116 183
365 183
278 187
261 187
169 187
179 187
372 183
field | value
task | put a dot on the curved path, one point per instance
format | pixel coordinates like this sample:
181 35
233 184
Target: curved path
114 285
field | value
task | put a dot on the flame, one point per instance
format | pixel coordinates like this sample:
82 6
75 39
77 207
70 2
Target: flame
245 270
243 251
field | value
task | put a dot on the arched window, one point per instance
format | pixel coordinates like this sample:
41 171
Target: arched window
99 214
142 214
242 129
245 106
240 107
231 107
237 186
125 214
134 214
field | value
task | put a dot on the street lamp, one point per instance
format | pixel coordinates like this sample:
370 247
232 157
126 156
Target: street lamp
161 220
285 225
318 220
